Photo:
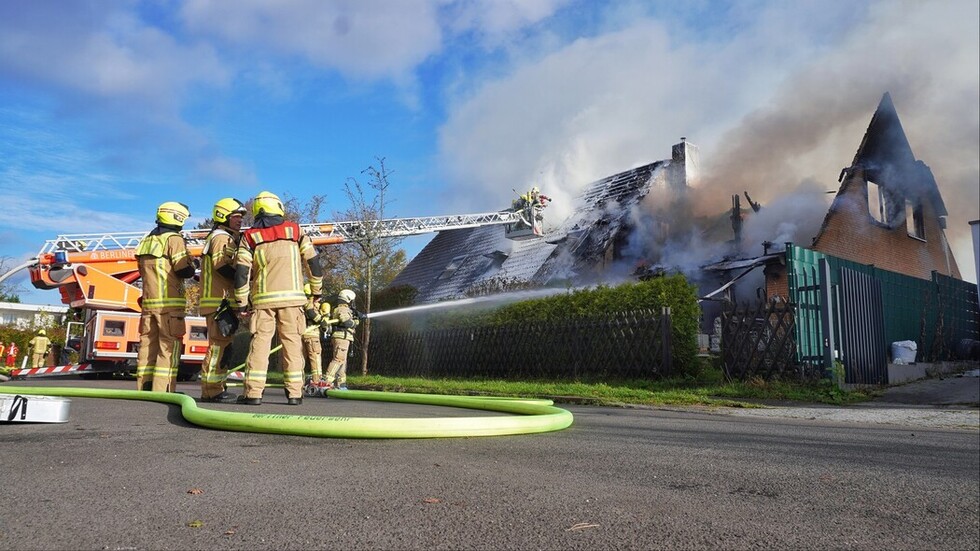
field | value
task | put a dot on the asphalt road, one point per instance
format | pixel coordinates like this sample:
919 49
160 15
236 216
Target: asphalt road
134 475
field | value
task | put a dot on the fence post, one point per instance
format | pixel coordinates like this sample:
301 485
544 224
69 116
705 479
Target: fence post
665 341
826 318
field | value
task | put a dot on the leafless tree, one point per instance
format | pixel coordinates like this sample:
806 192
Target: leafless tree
371 251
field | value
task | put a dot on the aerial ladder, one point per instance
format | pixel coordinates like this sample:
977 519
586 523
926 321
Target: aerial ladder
98 272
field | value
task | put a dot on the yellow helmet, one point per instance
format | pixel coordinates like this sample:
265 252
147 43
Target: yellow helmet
226 208
267 203
173 213
42 332
347 296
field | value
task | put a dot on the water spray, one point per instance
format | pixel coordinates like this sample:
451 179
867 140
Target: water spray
502 297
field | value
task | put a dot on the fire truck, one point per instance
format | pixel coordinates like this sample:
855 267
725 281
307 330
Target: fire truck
98 273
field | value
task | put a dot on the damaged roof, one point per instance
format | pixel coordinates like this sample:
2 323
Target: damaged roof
726 265
887 157
467 261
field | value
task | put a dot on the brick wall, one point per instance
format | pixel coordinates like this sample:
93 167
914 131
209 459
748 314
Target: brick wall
776 283
850 233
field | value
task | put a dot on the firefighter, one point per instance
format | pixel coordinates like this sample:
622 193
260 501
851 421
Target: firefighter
343 334
273 257
533 198
217 285
317 321
537 198
163 265
530 196
38 348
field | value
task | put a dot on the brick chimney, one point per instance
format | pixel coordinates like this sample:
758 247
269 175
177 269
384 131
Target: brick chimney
685 165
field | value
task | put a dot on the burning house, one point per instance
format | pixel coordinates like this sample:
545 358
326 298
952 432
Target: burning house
878 270
888 212
600 240
886 220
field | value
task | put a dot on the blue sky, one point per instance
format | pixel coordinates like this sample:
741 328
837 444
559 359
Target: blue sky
109 108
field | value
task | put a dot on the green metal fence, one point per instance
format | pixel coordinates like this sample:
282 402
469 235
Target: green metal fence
935 313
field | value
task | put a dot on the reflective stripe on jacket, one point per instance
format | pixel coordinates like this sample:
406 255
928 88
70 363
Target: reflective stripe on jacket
159 257
277 260
219 250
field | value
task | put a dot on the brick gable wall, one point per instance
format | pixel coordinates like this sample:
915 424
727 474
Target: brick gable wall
850 233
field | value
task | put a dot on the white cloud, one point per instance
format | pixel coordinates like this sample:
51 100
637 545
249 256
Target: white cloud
61 212
496 21
223 169
103 51
365 39
127 79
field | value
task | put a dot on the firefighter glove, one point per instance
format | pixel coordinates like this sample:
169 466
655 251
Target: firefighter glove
226 318
311 314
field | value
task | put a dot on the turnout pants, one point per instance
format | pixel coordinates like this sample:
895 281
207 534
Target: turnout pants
314 354
288 323
38 359
161 339
213 372
338 365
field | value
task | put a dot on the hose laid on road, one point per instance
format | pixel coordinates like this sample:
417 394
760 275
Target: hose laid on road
533 415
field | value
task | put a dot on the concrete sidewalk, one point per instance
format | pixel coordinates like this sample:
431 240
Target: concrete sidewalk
947 402
961 389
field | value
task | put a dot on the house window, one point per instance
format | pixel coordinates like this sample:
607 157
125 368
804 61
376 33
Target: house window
451 268
877 203
913 220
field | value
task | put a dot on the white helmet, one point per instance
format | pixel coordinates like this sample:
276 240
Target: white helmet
347 296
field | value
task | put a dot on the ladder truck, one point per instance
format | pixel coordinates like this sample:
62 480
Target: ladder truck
98 273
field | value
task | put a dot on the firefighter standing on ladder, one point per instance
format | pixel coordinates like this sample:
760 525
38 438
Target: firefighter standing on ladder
163 265
273 257
217 285
38 348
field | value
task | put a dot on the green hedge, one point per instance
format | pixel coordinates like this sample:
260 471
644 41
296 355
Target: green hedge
672 291
24 336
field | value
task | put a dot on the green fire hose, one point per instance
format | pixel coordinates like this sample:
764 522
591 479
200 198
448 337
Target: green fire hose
531 415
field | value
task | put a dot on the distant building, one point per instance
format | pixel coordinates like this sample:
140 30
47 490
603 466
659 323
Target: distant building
30 316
